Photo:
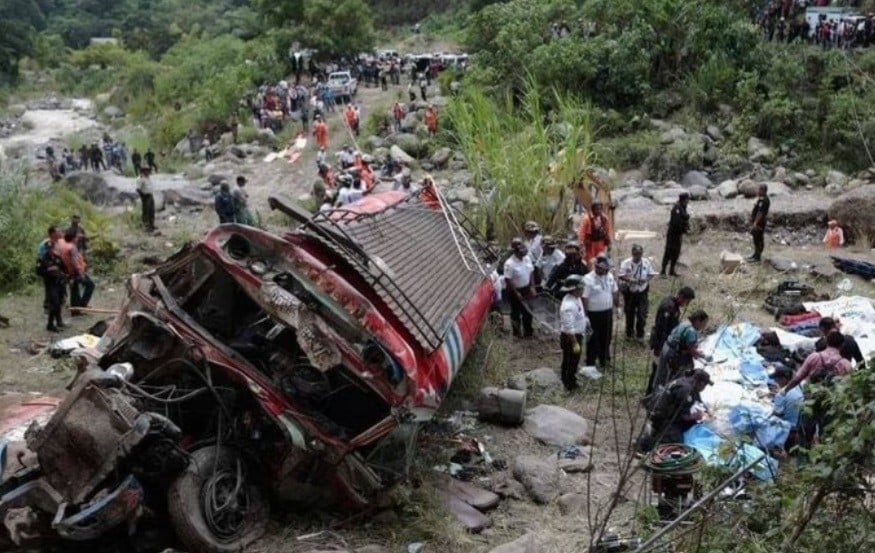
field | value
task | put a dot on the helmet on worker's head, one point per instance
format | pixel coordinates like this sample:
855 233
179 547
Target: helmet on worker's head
637 249
531 226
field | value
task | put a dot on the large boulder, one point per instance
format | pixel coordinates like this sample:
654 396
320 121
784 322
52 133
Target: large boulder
410 122
749 188
92 187
836 179
672 135
728 189
539 476
527 543
410 143
554 425
698 192
440 158
398 155
637 203
694 178
266 137
666 196
713 131
759 152
855 211
113 112
545 378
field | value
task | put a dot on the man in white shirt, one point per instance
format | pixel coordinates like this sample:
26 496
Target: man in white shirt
549 259
573 325
634 275
519 286
600 298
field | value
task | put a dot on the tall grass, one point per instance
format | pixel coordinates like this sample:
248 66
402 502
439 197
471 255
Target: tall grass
523 157
26 211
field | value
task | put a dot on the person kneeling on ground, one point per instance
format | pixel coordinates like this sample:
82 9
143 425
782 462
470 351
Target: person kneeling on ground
675 409
680 349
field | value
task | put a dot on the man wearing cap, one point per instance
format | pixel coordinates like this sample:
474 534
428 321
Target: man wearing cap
532 240
595 233
571 265
634 275
572 326
519 282
549 259
600 298
668 316
679 350
676 408
758 223
678 225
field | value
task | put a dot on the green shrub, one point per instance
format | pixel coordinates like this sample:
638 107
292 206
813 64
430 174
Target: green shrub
26 212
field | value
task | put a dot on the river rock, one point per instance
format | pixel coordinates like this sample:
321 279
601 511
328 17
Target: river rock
524 544
637 202
440 158
554 425
92 187
836 178
235 150
410 122
544 377
16 110
667 196
672 135
783 265
749 188
728 189
373 142
714 132
777 188
465 194
855 211
759 152
217 179
265 136
693 178
410 143
698 192
540 477
572 503
400 156
113 112
799 179
461 179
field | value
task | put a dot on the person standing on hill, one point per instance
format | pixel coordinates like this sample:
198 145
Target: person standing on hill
634 275
136 161
149 158
147 199
242 215
600 298
595 233
352 119
320 132
224 204
758 223
51 268
431 120
678 225
573 326
81 285
519 278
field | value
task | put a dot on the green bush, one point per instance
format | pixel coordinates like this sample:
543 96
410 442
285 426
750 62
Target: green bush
26 212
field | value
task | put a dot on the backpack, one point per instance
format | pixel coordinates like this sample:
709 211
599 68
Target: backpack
41 268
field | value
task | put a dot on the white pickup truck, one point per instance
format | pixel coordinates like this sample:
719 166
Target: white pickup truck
343 86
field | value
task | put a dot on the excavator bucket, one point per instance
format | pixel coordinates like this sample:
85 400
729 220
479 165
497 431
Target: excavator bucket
588 187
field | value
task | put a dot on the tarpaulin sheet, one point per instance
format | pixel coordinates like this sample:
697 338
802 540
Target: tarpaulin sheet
857 317
712 447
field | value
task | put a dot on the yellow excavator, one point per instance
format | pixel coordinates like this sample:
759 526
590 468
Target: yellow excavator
588 187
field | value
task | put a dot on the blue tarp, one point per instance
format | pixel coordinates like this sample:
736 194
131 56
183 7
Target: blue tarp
708 443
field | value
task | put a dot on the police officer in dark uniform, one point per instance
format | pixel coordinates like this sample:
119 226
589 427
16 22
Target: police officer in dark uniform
571 265
668 316
671 413
678 225
758 223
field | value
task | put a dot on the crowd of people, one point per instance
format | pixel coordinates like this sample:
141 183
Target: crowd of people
62 264
786 21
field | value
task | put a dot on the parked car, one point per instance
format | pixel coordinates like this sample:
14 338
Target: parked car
343 85
255 366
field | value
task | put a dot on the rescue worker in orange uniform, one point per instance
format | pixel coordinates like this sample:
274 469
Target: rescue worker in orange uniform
431 120
365 172
352 118
835 236
320 131
595 233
